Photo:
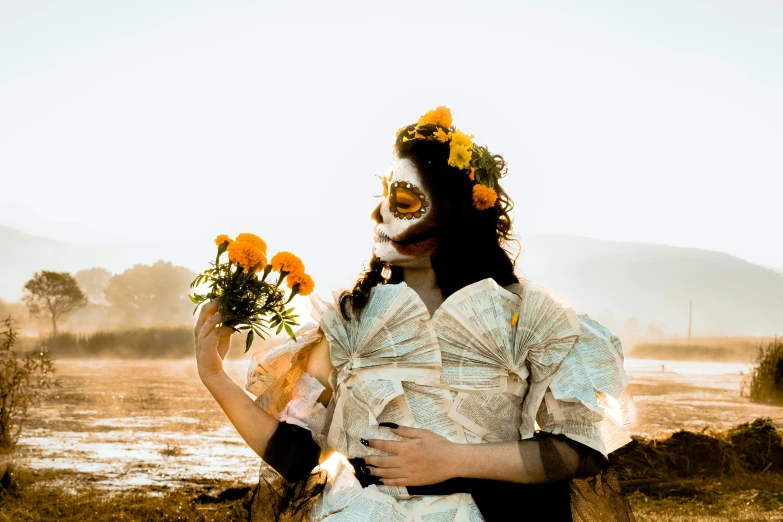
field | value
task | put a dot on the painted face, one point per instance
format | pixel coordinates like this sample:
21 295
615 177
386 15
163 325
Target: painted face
405 233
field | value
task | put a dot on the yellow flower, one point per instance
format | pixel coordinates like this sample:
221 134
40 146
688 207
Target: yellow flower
484 197
461 139
306 284
222 238
419 136
253 240
441 135
440 116
287 262
246 255
459 156
515 319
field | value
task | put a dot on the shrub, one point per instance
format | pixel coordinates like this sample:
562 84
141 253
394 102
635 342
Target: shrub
24 378
765 382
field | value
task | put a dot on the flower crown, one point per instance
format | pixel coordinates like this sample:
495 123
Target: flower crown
483 168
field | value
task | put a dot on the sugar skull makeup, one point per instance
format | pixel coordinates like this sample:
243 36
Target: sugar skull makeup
405 232
406 200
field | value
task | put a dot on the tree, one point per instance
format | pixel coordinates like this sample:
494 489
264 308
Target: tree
53 294
157 293
24 378
93 282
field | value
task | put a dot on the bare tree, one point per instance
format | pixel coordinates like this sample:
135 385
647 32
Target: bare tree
53 294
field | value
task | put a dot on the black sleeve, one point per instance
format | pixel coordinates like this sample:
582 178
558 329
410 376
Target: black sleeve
496 499
292 452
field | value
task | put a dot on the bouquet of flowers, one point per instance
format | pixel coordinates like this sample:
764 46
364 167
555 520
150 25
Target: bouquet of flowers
247 301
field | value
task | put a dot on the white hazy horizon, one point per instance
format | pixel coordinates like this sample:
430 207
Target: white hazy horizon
138 122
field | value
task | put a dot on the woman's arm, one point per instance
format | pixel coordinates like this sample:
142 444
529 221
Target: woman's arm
289 449
425 458
255 425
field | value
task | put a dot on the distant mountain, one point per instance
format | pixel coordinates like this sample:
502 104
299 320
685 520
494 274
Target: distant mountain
611 281
655 284
778 269
27 254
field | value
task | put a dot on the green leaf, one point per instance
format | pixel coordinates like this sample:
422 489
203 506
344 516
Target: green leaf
249 340
290 332
279 328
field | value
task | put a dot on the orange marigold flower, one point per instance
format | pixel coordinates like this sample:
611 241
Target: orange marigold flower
253 240
222 238
459 156
472 174
440 116
246 255
419 136
286 262
484 197
441 136
306 284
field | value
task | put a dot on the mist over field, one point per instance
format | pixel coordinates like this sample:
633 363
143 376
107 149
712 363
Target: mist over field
635 289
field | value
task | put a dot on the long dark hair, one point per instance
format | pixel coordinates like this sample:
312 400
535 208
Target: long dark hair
473 243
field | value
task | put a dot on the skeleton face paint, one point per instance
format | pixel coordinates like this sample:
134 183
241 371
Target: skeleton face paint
405 233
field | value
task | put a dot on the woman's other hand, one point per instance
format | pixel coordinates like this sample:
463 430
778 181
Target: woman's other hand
421 459
212 341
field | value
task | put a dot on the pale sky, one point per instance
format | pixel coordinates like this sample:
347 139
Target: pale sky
128 122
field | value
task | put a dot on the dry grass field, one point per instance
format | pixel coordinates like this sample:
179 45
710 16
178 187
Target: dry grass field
143 440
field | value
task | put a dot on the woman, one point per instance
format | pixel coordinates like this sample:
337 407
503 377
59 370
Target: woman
456 391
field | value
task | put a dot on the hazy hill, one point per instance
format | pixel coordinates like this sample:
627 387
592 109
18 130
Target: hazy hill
611 281
25 254
655 284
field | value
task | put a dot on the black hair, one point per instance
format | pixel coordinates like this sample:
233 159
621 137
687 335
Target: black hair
473 243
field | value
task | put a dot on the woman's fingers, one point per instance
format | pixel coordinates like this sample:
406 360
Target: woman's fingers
207 309
407 432
209 325
386 473
382 461
224 340
396 482
389 446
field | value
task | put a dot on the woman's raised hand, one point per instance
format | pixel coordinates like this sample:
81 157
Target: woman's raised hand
212 341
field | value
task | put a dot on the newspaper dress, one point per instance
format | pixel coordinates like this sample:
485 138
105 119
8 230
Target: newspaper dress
489 365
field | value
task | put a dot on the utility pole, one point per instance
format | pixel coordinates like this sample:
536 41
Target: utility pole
690 319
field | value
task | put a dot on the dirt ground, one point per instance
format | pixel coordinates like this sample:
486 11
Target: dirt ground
120 429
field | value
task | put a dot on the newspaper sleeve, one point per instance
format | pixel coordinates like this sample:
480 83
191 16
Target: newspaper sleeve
274 373
579 423
593 365
304 409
